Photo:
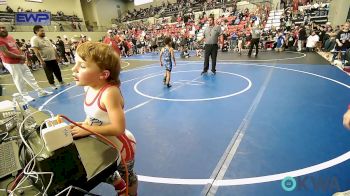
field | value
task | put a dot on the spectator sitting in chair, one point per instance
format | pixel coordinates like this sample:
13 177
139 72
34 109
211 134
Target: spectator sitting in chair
311 41
185 53
342 43
225 46
280 42
9 9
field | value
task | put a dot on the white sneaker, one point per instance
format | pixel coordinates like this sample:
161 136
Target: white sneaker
62 84
345 193
43 93
54 87
28 98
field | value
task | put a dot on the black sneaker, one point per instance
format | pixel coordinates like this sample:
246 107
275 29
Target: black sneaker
203 72
168 85
214 72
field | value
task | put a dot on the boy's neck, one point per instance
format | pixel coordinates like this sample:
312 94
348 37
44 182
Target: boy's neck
99 85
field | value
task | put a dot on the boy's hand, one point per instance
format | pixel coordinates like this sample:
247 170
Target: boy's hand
71 126
161 64
79 132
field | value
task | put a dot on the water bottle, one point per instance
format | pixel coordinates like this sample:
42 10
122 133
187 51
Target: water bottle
22 110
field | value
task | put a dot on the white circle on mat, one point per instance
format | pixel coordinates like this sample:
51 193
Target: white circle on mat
249 84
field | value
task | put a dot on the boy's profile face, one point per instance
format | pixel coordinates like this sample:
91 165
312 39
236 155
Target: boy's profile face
87 73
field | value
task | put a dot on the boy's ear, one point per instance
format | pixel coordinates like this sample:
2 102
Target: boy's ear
105 74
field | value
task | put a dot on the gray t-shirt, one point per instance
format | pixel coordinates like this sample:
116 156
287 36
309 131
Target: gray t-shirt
256 32
45 47
212 34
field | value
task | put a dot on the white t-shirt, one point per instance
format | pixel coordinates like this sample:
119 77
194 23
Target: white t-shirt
312 40
45 47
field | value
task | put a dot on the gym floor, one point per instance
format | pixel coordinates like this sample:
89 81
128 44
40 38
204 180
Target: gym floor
239 132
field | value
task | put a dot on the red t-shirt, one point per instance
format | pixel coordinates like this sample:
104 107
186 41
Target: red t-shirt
115 42
11 46
295 5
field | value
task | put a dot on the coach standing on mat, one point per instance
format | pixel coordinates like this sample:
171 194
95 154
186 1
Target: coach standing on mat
47 56
211 35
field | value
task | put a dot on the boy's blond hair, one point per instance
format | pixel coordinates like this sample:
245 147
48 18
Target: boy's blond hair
104 56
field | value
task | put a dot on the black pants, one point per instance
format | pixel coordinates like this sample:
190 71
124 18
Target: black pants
210 50
70 54
254 41
62 54
50 68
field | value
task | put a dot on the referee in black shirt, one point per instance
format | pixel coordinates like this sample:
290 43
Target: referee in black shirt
255 31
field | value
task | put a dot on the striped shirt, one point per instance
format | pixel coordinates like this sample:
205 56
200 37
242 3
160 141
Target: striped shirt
211 34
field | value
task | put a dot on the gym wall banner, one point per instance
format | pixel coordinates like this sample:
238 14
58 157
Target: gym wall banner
33 18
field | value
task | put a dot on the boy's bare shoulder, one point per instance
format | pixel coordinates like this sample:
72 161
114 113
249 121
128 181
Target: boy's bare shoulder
112 92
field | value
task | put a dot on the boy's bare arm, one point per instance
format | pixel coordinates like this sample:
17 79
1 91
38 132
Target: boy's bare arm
173 56
111 100
160 57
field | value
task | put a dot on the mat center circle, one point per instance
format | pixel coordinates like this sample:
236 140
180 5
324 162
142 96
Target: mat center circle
219 85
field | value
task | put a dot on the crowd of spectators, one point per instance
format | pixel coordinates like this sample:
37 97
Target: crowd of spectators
140 37
65 48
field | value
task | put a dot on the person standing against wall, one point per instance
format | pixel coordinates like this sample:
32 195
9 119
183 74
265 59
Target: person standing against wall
301 38
47 56
61 50
211 36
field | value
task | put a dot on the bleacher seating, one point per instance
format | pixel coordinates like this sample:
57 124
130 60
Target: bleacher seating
317 15
55 17
171 10
6 17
